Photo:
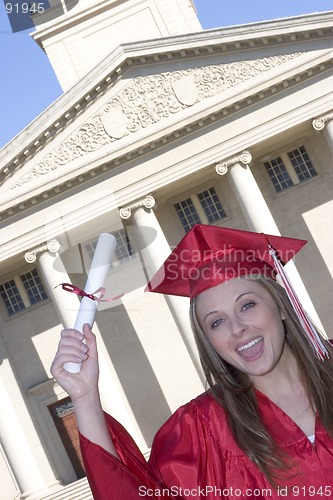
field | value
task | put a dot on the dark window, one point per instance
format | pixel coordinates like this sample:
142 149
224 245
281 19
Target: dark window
302 164
282 169
11 297
11 293
211 204
187 214
278 174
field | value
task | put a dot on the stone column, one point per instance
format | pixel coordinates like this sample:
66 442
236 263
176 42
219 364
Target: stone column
259 217
154 252
67 305
248 194
19 453
54 273
325 123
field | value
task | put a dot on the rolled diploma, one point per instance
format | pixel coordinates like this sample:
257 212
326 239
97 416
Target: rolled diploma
100 266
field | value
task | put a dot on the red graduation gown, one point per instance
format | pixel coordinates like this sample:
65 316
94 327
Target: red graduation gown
194 456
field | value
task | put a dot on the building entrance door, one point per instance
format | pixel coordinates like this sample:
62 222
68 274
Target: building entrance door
65 420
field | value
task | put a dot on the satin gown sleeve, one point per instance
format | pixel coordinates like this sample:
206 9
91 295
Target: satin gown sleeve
110 478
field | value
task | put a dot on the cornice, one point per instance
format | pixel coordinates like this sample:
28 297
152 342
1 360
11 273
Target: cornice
173 48
198 123
288 25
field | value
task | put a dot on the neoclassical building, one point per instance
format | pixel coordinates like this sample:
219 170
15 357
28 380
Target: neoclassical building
161 125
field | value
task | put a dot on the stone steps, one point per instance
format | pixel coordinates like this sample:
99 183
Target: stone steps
79 490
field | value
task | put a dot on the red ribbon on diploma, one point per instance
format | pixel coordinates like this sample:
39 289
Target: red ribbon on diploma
68 287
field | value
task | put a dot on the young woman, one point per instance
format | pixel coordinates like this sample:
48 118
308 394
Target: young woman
264 428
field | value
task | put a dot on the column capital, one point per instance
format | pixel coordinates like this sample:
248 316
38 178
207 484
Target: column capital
147 202
319 123
222 166
51 246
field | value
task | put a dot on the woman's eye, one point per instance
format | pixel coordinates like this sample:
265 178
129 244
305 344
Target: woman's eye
217 323
248 305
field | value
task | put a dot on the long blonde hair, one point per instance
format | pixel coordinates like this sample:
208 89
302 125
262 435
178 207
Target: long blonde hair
234 392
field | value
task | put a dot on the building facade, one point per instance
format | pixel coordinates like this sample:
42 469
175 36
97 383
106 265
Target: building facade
169 128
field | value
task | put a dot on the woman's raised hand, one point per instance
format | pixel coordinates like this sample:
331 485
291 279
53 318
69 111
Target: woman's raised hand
72 349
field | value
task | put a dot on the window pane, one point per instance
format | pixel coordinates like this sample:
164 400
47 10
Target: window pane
211 204
34 287
302 164
11 297
123 249
187 214
278 174
91 247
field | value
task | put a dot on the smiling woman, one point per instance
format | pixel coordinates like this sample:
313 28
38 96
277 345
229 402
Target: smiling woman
251 326
244 325
264 428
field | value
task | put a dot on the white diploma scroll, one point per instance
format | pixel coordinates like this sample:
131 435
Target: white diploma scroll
100 266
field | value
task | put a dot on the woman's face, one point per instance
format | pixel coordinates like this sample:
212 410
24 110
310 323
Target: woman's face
244 325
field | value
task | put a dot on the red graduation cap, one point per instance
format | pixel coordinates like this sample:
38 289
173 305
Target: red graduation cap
210 255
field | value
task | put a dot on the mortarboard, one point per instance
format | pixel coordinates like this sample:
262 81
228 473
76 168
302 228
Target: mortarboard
210 255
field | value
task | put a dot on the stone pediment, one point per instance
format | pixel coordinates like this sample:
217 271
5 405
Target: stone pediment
144 102
145 106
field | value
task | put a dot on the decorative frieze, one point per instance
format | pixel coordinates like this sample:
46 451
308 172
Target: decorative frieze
244 158
147 202
52 246
148 100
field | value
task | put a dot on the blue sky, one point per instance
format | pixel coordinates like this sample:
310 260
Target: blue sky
28 85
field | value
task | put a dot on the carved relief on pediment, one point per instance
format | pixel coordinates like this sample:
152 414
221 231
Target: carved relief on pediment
148 100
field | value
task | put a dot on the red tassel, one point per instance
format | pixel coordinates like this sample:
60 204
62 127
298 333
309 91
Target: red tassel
307 325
